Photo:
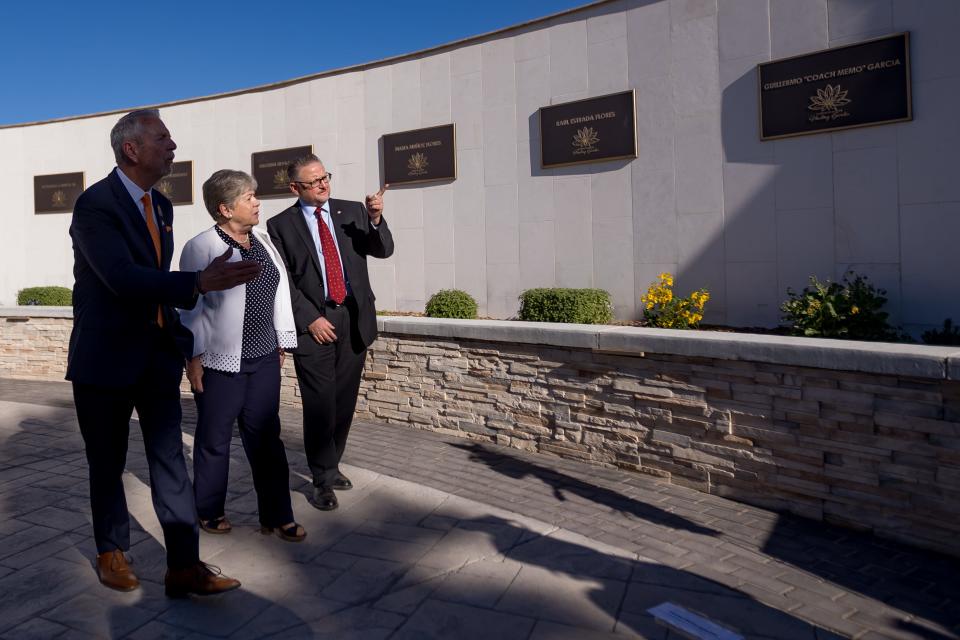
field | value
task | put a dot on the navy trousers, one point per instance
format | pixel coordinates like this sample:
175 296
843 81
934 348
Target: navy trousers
251 398
104 416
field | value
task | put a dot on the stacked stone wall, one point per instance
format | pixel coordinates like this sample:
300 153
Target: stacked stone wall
34 348
874 452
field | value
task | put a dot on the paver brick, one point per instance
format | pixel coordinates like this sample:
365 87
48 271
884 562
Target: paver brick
728 558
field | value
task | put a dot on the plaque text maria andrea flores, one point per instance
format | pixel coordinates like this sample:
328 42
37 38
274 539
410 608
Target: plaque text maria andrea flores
420 155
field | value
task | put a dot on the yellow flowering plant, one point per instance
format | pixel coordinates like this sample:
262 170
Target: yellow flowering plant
661 308
850 309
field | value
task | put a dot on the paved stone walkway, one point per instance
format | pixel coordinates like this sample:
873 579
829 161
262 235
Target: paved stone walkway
446 538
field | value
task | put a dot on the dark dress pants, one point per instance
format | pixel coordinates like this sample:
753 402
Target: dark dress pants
329 377
251 397
104 416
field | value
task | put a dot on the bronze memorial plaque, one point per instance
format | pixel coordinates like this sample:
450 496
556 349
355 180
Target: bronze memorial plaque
591 130
420 155
56 193
178 185
270 170
856 85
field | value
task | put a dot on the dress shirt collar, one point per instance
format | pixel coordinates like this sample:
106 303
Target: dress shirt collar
309 210
132 188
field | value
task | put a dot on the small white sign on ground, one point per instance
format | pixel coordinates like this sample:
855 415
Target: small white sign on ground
690 624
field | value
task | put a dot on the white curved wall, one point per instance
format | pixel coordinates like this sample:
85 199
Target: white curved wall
704 199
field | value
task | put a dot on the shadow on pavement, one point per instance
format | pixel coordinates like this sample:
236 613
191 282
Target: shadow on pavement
921 583
48 583
563 484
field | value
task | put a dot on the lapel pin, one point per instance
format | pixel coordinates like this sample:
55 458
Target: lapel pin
167 228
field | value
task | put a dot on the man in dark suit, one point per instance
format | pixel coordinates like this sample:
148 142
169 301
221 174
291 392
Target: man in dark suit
128 348
325 244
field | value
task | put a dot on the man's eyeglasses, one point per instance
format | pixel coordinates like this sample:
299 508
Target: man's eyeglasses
313 184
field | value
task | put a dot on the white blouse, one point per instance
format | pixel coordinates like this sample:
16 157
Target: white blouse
217 319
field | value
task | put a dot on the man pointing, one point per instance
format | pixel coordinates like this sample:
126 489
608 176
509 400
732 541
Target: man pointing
325 243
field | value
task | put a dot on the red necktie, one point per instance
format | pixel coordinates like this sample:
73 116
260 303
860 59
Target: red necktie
337 289
154 236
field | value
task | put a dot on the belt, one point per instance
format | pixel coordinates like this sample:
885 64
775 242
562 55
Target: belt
330 304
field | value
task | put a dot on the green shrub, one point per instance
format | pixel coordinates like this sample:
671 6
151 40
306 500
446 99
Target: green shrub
45 296
949 336
583 306
451 303
851 309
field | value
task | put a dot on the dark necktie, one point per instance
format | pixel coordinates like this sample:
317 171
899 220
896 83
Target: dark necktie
154 236
337 289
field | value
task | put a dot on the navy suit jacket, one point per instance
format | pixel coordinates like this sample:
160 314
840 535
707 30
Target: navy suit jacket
118 286
356 238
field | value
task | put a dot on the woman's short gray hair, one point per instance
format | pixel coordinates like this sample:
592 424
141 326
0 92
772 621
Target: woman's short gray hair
129 127
225 187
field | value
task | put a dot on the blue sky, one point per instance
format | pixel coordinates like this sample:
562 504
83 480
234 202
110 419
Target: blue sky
60 58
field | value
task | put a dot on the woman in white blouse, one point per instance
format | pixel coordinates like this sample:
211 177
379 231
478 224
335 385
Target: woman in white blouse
239 337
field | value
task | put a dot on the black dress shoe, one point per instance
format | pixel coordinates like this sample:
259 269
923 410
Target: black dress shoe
324 498
342 483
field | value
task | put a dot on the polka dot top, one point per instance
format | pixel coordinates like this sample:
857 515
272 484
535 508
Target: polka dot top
259 335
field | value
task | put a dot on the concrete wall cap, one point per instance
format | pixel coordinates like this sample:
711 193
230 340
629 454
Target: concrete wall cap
31 311
581 336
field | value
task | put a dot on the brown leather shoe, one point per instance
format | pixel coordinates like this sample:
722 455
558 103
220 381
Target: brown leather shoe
199 579
114 571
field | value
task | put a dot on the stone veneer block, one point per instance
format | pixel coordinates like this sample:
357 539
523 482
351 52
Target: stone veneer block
533 92
740 116
859 19
797 27
694 66
929 147
929 246
499 80
744 28
699 168
953 366
613 246
378 99
804 247
750 217
648 41
435 95
937 21
568 58
752 293
609 25
867 211
537 255
607 66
